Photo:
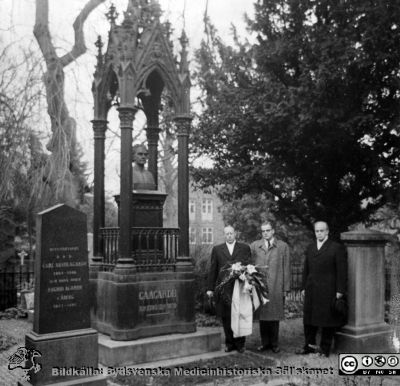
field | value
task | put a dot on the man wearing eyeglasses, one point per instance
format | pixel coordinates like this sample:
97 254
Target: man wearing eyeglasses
272 257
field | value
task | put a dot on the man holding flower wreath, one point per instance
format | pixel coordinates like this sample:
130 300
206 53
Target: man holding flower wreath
222 258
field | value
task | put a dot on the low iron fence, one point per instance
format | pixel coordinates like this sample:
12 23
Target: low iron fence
152 248
296 278
13 280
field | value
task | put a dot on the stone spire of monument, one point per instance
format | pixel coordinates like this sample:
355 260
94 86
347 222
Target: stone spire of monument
100 57
132 14
184 64
112 14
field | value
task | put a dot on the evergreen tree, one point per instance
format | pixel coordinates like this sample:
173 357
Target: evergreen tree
309 114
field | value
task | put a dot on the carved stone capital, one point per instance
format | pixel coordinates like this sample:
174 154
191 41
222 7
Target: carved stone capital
152 134
99 128
183 124
126 116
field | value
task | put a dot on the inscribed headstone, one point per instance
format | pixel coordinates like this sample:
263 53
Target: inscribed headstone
61 269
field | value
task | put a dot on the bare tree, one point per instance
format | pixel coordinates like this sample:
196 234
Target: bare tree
63 162
21 155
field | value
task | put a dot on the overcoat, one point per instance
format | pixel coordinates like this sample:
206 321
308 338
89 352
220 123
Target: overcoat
219 265
275 263
324 274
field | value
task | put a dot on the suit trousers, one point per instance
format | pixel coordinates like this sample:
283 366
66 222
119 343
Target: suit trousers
269 332
230 341
327 334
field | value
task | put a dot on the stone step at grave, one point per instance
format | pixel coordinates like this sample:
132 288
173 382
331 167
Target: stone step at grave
126 353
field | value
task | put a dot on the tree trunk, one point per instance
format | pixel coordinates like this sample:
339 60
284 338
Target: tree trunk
60 171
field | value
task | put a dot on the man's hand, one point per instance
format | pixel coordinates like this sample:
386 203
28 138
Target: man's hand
302 293
210 294
339 295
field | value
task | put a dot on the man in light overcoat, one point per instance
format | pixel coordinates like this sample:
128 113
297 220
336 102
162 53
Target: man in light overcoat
272 257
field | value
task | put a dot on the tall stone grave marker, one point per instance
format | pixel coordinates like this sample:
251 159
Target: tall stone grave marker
366 330
61 326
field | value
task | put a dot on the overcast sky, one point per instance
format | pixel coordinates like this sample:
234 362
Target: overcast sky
16 25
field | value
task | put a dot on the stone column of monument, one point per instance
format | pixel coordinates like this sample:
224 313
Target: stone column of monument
366 330
151 104
126 115
152 133
183 126
99 129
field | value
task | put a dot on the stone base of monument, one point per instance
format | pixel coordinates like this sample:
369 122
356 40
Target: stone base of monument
67 358
147 208
124 353
367 339
128 306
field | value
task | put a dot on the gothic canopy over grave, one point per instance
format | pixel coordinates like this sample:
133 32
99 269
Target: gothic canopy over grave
139 62
137 66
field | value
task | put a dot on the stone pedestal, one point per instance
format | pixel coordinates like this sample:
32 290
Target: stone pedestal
61 353
366 330
132 305
147 208
115 353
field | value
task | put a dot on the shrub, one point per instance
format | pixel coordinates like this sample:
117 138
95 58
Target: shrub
201 258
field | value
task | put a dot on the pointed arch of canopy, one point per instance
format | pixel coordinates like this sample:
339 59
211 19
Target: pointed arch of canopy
104 90
165 77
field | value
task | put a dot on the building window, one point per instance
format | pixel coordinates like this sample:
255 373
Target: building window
192 209
192 235
207 209
207 236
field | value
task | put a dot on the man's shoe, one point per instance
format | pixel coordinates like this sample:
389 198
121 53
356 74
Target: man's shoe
276 349
241 350
229 348
263 348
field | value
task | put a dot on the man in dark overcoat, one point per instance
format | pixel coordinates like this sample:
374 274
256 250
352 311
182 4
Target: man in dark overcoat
272 257
324 280
222 257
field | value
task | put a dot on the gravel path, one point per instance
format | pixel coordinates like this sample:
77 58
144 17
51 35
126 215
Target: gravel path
17 330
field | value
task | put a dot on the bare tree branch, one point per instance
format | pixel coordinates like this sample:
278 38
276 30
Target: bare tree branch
79 47
42 33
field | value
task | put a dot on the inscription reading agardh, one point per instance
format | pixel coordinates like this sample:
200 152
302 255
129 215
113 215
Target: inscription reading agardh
157 302
64 276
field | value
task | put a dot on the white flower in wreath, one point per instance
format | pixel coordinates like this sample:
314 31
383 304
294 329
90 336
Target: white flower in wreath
264 300
251 269
237 267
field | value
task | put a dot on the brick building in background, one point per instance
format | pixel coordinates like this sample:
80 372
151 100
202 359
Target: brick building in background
206 225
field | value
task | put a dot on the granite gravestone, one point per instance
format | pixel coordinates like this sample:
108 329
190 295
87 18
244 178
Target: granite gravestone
61 326
62 272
